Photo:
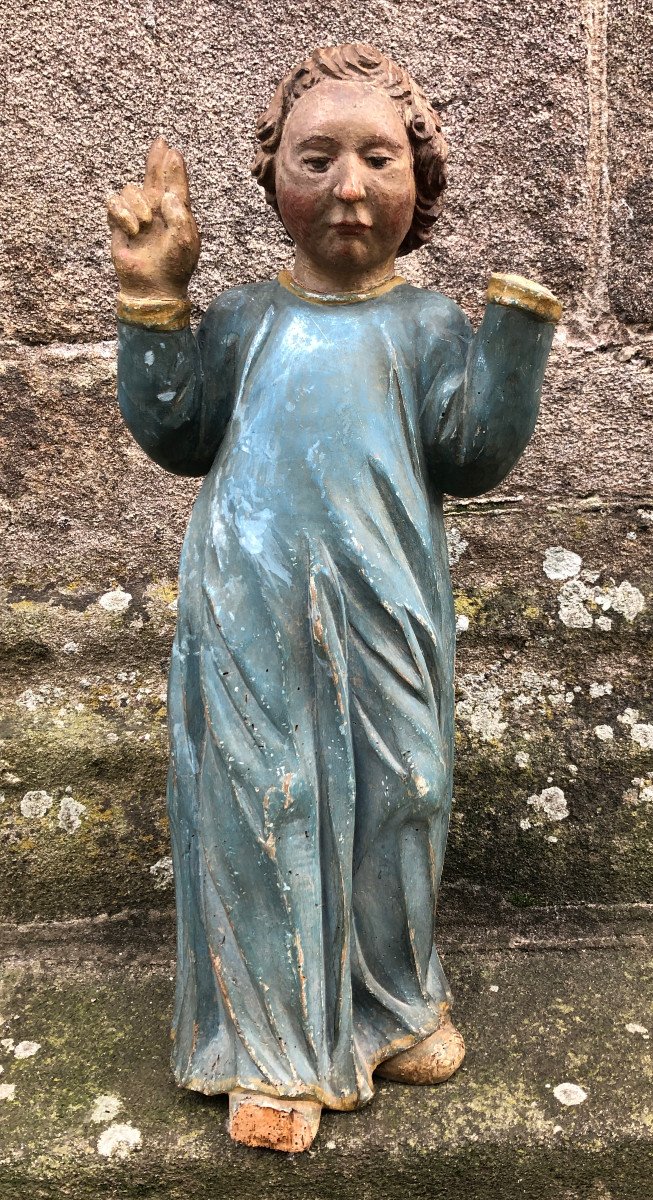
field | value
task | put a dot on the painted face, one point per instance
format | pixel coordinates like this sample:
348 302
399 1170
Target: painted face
344 178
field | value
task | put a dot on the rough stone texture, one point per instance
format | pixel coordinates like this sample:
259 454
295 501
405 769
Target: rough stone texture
630 131
532 1020
549 175
89 86
92 535
80 501
82 707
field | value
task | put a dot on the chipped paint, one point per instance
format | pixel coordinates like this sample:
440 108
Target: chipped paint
162 873
35 805
560 563
119 1141
569 1094
551 803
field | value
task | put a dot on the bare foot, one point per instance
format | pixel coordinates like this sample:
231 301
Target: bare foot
273 1122
431 1061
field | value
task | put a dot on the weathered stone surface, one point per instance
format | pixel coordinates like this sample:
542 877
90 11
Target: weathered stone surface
89 86
630 95
543 664
94 1111
92 537
81 502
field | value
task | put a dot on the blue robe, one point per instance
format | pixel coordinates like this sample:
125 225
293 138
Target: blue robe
311 685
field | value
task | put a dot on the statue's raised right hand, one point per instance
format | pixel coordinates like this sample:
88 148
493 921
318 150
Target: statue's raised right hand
155 243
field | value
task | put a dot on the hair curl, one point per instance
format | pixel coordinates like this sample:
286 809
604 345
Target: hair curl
364 64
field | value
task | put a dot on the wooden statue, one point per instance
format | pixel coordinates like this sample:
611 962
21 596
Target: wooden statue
311 685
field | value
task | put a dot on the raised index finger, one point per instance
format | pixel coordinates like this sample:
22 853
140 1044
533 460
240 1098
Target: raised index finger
175 178
153 181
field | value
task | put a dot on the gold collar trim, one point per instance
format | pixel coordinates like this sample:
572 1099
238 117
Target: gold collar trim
286 280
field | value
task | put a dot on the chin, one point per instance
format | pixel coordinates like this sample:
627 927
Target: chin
352 254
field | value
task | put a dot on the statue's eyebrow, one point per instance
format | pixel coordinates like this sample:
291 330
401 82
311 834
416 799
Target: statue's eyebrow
322 141
383 142
319 141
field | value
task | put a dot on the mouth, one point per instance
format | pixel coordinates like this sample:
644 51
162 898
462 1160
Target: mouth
351 228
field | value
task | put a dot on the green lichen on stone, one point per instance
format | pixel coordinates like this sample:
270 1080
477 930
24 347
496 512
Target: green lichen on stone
496 1129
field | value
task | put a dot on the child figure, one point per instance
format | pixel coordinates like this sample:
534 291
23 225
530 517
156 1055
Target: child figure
311 685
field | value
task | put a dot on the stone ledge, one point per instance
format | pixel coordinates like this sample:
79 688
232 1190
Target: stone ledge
532 1021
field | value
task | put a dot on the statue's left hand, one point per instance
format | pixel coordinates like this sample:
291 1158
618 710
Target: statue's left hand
155 244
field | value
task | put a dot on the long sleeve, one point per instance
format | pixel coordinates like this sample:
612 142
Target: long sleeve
480 411
175 390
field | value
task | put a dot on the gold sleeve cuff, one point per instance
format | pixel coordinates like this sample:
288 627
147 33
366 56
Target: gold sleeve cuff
517 292
164 315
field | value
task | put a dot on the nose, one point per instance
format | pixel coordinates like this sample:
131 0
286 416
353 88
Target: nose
349 186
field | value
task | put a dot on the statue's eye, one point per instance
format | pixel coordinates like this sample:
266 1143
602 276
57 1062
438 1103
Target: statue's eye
378 161
317 162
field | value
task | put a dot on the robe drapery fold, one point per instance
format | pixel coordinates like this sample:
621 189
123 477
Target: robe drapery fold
311 685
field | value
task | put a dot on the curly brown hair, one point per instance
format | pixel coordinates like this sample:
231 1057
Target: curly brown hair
364 64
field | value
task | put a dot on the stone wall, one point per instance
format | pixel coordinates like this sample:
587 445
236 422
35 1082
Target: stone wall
547 109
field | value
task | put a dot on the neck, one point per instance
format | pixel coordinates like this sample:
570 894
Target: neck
314 277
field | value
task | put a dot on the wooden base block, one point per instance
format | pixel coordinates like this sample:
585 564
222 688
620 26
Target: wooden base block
273 1122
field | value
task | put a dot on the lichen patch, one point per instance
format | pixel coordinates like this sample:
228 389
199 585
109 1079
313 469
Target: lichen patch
27 1049
605 733
70 814
481 707
575 596
116 601
569 1094
641 1030
162 873
596 690
7 1091
35 805
119 1141
560 563
571 605
105 1108
642 735
550 803
456 545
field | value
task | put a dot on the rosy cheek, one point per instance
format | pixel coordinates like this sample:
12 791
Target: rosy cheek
398 213
299 208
